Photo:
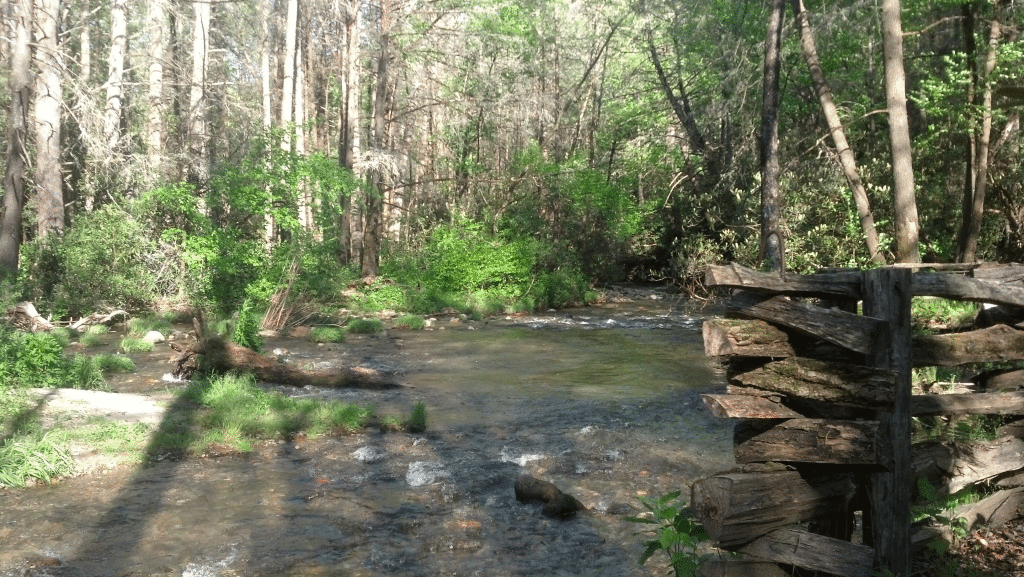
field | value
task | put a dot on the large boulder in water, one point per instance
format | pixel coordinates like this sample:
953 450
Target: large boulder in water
556 503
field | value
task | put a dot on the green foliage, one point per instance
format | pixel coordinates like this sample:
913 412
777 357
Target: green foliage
410 323
83 373
62 335
90 340
417 421
365 326
930 312
940 508
139 326
97 330
247 329
134 345
113 363
31 360
41 456
675 532
104 259
327 334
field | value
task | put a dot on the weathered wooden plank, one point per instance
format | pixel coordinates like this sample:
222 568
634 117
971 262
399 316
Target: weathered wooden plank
815 552
836 284
744 338
852 385
1014 429
951 467
967 289
997 509
809 441
848 330
998 343
968 404
739 568
736 508
747 407
1005 382
1010 274
887 296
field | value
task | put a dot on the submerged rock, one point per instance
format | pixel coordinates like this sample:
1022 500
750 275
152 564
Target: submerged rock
556 503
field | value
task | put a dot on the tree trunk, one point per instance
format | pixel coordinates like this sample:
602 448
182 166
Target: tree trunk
156 22
906 221
199 162
17 131
972 222
115 75
847 160
348 138
49 184
288 89
772 247
370 259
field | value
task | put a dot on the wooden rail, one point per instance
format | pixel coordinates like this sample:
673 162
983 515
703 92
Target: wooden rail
823 402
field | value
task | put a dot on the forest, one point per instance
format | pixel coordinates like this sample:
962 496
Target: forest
496 155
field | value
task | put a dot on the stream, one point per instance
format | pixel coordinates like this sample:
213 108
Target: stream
603 401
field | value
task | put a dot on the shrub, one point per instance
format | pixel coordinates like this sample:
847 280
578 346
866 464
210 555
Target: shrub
84 374
90 340
62 335
31 360
247 330
327 334
97 330
40 456
139 326
365 326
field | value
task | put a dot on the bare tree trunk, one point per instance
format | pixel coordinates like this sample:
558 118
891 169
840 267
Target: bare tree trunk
846 157
115 75
907 227
17 131
49 184
772 247
156 22
348 140
288 90
370 258
972 221
199 162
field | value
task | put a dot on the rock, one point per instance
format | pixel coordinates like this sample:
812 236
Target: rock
153 337
557 503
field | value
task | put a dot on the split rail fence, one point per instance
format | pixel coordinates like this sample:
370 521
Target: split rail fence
823 401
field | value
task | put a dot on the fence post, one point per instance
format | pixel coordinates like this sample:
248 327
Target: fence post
887 293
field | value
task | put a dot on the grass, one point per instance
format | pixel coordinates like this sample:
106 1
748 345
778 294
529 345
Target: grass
365 325
91 340
327 334
231 411
113 363
139 326
97 330
931 314
135 345
410 323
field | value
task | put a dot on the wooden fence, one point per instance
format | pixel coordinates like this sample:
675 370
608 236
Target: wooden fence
823 398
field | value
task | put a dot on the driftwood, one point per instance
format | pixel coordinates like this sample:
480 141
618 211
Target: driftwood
808 441
100 319
998 343
815 552
25 316
736 508
216 355
953 466
851 385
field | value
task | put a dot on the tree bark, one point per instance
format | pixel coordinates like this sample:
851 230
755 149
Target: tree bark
115 75
199 161
13 201
982 149
156 23
837 383
814 552
847 160
906 220
348 138
49 184
772 244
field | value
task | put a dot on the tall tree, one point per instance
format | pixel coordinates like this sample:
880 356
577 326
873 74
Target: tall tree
49 187
349 131
374 200
847 160
904 196
772 247
17 132
115 74
977 180
198 139
156 24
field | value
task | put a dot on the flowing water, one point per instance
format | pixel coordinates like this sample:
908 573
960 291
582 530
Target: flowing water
602 401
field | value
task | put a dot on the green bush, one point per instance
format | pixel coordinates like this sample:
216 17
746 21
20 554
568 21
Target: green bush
139 326
247 329
113 363
63 335
327 334
31 360
365 326
90 340
97 330
83 373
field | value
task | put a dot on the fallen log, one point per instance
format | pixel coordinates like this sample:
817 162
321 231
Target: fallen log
968 404
25 316
736 337
847 330
217 356
100 319
845 285
967 289
748 407
998 343
950 467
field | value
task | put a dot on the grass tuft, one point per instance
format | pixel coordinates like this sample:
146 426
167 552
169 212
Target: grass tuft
410 323
365 326
327 334
134 345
